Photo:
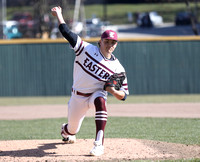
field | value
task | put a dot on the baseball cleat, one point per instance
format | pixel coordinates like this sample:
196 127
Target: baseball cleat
69 139
63 133
97 150
66 137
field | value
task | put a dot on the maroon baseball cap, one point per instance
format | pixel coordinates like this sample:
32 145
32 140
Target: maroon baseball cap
109 34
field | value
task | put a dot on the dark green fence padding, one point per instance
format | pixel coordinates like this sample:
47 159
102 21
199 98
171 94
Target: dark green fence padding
45 68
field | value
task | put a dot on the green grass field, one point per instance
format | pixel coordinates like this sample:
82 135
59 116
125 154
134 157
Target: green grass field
6 101
185 131
117 13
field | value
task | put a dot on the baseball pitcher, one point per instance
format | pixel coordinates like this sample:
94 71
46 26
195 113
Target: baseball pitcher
96 72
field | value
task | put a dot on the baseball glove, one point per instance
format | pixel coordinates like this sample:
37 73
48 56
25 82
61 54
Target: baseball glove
115 80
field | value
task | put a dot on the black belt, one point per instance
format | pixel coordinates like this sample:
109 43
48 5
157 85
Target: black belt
81 94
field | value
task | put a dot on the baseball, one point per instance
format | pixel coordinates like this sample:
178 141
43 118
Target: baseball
53 13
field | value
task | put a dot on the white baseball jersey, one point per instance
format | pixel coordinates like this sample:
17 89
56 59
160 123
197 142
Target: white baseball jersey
92 69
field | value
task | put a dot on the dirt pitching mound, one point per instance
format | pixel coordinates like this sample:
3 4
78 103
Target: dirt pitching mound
115 150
